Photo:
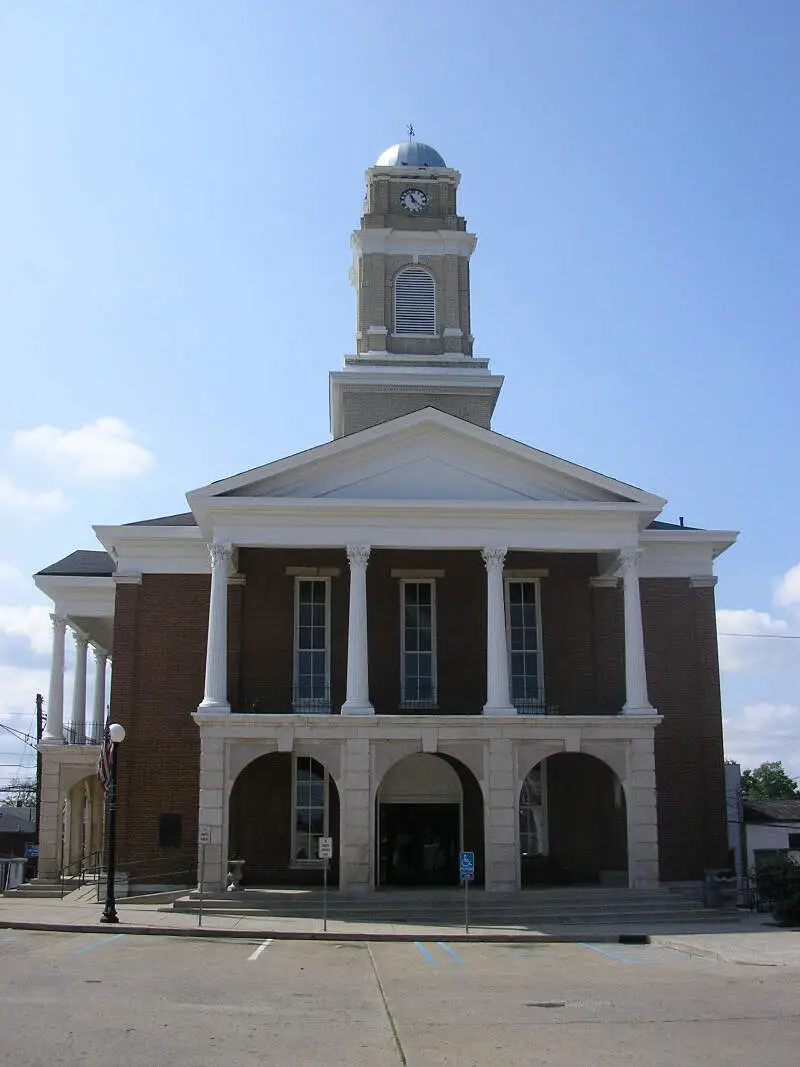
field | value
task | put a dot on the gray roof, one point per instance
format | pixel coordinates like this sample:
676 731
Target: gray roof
15 820
658 524
186 518
83 563
771 810
410 154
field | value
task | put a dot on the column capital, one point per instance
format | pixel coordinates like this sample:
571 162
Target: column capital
81 639
59 622
629 560
100 654
493 558
221 553
358 555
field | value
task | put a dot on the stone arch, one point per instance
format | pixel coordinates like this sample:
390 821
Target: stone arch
82 819
428 806
275 819
578 822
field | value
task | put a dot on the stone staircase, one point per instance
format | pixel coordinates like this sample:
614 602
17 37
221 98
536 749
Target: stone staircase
45 888
529 909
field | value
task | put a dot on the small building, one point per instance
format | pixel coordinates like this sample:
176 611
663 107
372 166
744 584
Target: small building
417 637
772 829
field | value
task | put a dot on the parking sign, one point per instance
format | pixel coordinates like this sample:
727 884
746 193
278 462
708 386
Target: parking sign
466 866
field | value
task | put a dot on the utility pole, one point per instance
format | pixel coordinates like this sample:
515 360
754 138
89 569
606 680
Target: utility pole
39 729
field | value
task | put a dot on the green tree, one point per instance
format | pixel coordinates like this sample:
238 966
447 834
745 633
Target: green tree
768 782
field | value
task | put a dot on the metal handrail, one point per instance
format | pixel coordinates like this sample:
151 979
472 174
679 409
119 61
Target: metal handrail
80 867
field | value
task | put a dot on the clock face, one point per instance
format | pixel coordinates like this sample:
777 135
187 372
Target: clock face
414 201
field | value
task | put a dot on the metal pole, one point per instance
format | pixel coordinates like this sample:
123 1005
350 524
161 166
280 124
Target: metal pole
202 880
466 905
325 897
110 911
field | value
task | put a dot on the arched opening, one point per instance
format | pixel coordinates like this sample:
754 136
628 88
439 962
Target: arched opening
82 825
280 806
428 808
572 823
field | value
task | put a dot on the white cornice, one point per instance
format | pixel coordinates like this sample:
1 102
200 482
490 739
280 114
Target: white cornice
77 595
718 540
431 175
393 242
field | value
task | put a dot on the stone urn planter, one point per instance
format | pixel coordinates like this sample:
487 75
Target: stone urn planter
235 868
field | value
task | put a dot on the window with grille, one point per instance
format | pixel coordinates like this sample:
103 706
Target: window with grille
524 646
415 302
310 809
312 643
418 642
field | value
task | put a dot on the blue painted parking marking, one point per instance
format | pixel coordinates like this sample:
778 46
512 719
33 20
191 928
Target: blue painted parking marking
425 952
450 951
97 944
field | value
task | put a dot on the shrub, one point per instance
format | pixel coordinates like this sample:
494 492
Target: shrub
779 883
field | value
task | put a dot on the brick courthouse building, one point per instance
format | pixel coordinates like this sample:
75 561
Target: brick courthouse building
416 637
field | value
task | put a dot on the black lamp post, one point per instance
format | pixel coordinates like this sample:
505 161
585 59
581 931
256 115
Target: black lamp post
116 734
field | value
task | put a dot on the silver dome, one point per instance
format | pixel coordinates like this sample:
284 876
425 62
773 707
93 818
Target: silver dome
410 154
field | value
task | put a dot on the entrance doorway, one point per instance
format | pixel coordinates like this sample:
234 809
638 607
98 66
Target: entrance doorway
420 820
419 844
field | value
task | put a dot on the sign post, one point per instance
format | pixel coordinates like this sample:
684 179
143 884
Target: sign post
466 871
203 839
325 854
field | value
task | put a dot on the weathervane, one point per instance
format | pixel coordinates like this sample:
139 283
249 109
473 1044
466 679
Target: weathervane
410 132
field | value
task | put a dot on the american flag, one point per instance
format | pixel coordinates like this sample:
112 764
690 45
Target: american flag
104 762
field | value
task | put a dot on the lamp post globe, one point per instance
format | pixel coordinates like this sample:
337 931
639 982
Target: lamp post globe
116 735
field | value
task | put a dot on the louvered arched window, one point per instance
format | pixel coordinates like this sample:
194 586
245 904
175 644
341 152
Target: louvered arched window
414 302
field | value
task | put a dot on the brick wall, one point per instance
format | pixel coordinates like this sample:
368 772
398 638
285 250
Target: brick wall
159 663
160 630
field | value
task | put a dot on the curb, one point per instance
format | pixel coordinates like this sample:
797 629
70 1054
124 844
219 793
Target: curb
299 935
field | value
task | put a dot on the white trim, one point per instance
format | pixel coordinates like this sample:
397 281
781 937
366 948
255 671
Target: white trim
434 700
300 703
507 581
389 242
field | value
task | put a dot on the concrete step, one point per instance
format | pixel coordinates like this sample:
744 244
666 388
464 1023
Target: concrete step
529 908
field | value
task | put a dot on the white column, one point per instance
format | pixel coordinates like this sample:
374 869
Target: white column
99 702
216 691
636 702
357 702
642 809
54 730
79 687
498 699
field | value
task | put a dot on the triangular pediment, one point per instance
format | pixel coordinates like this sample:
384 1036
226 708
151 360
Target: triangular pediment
426 456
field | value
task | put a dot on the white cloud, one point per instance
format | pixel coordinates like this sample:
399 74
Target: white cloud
758 650
761 732
16 501
102 450
30 622
787 593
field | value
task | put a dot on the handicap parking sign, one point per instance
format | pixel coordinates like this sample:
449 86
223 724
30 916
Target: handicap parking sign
466 866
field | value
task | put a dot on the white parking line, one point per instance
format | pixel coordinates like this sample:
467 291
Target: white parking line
254 955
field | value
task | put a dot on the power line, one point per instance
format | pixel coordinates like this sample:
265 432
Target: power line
774 637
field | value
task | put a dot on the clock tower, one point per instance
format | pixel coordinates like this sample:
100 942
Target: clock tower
410 271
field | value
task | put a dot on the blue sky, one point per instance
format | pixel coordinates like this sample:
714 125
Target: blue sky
179 183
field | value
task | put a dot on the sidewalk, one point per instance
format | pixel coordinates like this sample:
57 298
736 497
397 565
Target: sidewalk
751 940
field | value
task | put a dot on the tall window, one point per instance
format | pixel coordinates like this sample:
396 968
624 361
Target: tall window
415 302
418 642
522 610
532 813
312 644
310 809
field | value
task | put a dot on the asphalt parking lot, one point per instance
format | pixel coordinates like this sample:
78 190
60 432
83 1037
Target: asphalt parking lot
115 998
